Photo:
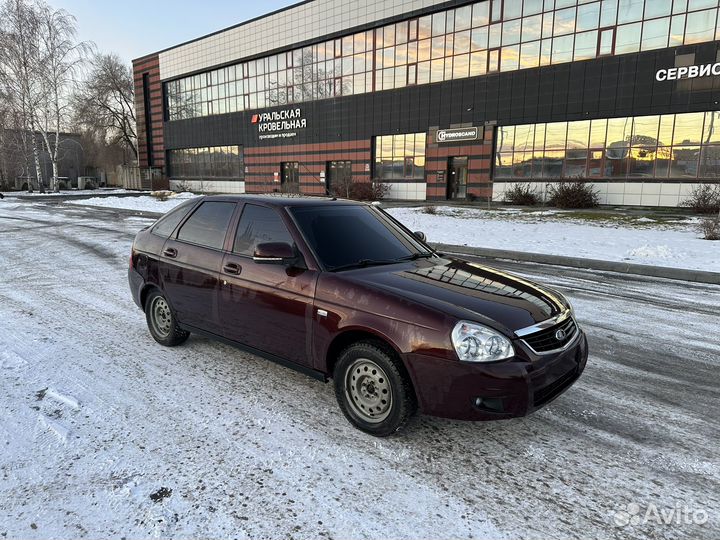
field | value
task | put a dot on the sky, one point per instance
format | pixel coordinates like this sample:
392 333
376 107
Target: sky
134 28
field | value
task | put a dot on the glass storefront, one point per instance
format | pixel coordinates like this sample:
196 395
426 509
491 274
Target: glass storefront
661 146
400 157
470 40
214 162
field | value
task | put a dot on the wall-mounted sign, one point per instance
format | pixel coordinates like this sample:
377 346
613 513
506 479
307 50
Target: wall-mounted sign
687 72
279 124
457 134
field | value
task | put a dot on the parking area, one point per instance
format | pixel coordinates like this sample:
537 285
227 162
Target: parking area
106 433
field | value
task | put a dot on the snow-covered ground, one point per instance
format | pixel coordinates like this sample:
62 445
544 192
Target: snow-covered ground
142 203
65 192
642 240
105 433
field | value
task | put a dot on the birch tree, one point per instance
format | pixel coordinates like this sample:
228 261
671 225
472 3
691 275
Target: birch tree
61 57
20 65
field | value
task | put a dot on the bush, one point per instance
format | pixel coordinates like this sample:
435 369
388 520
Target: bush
522 194
368 191
431 210
182 186
704 199
573 194
710 228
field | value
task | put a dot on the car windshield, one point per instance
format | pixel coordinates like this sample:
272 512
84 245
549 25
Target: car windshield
346 236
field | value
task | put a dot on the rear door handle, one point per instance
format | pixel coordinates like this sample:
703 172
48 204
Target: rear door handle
170 252
232 268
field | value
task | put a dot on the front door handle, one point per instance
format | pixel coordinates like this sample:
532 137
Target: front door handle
232 268
170 252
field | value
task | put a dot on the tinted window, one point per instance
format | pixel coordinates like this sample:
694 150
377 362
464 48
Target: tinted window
166 224
259 225
344 235
208 224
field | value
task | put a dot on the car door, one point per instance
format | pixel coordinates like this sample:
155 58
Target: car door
191 261
266 306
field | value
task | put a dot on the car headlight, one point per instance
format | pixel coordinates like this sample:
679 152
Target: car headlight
477 343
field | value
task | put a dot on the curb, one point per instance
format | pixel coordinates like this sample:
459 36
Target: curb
698 276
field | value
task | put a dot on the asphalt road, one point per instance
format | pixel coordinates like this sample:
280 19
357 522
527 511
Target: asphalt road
95 418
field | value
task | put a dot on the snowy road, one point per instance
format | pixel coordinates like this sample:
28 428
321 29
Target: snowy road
96 419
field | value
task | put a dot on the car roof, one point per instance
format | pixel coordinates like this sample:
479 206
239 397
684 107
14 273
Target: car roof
281 201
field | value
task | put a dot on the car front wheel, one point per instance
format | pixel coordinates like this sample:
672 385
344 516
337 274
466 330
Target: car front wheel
161 321
372 389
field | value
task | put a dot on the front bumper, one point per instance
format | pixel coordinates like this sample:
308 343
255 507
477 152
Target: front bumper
517 387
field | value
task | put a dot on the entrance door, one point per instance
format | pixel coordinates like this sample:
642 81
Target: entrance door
457 177
290 177
339 177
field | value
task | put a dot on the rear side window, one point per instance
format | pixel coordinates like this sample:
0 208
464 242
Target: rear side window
166 224
258 225
208 224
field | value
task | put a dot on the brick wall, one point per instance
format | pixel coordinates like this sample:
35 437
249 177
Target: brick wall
151 148
262 162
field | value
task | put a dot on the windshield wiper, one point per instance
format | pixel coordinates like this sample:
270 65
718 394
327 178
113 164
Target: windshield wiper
362 263
416 256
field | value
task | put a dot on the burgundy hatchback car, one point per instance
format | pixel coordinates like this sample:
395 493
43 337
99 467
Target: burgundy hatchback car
339 289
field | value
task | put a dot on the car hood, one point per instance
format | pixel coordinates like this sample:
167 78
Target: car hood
467 290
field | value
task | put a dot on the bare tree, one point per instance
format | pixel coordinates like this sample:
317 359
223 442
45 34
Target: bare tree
105 102
20 68
61 56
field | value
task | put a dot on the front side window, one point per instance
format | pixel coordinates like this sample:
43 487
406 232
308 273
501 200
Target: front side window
258 225
345 235
208 224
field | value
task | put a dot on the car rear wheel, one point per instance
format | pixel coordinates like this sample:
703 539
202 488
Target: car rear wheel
161 321
372 389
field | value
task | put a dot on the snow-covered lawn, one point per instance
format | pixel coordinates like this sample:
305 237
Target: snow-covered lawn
142 203
640 240
66 192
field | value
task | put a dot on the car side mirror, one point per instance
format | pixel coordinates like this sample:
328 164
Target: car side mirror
420 236
274 253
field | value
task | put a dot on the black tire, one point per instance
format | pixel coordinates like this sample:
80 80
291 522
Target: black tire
161 321
372 389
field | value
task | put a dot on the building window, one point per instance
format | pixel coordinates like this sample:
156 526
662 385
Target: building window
400 157
497 35
221 162
662 146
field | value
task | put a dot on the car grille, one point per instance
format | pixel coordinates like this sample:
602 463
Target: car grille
547 340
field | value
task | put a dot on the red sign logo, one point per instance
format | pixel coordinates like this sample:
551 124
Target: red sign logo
255 118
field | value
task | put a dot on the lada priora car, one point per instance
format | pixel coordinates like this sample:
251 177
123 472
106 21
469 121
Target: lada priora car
340 290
